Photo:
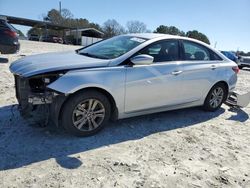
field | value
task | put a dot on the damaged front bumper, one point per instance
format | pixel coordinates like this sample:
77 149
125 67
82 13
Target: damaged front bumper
45 104
41 98
238 100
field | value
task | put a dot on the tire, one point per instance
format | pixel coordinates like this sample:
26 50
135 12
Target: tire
85 113
216 104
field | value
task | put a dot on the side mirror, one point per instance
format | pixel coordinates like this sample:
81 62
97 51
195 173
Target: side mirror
142 59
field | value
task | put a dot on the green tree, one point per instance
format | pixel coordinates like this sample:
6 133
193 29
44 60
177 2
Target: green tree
197 35
54 17
35 30
66 18
171 30
161 29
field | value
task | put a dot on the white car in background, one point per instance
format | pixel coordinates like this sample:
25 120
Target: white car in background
244 62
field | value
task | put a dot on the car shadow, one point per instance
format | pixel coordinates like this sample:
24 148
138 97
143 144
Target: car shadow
21 145
240 115
4 60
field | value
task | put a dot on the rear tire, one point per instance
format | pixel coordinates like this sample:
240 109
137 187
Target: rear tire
216 96
85 113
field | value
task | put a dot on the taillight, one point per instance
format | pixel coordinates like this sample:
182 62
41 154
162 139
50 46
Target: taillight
11 33
236 69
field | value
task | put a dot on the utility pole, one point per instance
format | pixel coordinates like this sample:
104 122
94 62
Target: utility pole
60 12
60 7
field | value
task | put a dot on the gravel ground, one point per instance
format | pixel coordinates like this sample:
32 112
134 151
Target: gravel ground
184 148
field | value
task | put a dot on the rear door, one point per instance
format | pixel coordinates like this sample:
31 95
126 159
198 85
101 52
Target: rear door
200 68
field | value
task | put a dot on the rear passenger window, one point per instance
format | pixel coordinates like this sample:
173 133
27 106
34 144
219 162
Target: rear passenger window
195 52
215 57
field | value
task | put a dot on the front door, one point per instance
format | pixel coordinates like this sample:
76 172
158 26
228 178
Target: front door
155 85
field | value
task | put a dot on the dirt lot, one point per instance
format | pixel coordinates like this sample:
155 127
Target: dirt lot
184 148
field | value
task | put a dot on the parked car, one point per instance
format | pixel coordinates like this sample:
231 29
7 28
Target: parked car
244 62
8 38
121 77
51 38
230 55
33 37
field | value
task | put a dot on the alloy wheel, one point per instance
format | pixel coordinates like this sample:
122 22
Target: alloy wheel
88 115
216 97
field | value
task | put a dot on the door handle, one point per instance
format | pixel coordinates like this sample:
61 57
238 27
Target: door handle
176 72
213 67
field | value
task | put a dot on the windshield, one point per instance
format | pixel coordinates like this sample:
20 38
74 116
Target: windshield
11 27
112 48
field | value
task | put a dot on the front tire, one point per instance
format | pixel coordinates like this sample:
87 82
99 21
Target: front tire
216 96
85 113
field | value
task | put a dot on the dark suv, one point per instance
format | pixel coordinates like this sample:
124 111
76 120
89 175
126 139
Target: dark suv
51 38
8 38
33 37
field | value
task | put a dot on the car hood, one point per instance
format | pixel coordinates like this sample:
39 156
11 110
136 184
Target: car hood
50 62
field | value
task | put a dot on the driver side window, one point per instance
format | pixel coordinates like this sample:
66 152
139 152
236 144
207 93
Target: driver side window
163 51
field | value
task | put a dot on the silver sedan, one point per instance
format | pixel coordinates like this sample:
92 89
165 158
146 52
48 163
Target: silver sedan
121 77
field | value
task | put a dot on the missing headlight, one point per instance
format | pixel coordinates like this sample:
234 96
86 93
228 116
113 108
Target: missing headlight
39 83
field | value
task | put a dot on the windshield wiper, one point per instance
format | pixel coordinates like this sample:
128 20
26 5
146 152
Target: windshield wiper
92 55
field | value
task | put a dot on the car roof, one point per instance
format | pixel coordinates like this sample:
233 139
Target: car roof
147 35
157 35
150 36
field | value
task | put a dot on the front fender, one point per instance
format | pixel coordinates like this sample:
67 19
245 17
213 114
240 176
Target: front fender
111 79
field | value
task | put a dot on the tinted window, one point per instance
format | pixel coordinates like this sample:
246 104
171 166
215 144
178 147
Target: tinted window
215 57
163 51
5 25
10 26
195 52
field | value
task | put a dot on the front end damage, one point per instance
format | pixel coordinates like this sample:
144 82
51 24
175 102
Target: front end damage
36 100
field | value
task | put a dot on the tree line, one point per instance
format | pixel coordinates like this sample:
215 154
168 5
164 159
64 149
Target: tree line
110 27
